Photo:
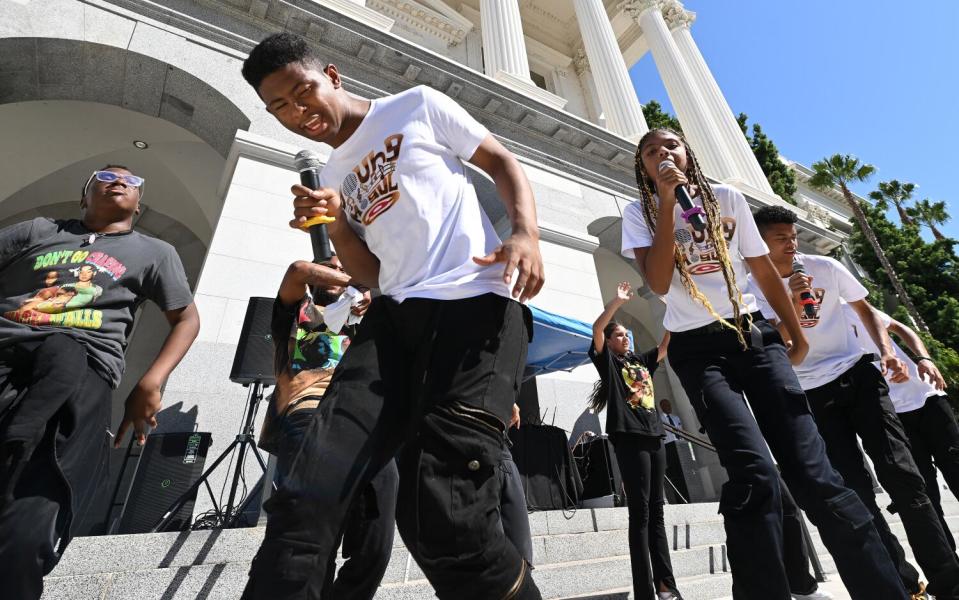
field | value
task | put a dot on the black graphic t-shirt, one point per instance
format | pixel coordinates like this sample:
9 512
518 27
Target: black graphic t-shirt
631 401
58 277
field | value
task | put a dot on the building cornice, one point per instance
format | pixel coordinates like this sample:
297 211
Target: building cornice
450 28
381 63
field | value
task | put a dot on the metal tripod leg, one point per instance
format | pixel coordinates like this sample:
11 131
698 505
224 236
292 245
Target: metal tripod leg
242 441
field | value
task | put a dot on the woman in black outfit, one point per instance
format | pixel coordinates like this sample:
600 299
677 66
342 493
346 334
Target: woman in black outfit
625 390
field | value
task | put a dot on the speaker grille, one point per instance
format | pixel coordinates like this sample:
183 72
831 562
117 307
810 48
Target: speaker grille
169 465
253 361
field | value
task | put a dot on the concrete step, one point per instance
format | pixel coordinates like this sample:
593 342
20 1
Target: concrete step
226 580
575 553
829 565
119 553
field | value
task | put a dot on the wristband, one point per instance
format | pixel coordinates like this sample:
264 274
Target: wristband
919 359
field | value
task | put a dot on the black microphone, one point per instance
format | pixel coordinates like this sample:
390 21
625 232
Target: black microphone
308 164
692 214
806 298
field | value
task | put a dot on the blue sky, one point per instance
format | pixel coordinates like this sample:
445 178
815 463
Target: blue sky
876 79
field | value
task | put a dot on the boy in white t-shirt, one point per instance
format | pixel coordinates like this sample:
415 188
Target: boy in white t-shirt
924 410
721 349
849 398
435 366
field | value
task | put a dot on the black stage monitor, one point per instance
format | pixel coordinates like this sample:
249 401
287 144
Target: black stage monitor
169 464
253 362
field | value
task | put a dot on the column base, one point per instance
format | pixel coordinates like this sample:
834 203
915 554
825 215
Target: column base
527 87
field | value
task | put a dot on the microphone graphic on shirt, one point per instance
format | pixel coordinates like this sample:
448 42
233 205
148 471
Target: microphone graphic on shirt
806 298
308 164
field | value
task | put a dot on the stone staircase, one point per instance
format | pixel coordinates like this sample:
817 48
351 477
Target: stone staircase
583 555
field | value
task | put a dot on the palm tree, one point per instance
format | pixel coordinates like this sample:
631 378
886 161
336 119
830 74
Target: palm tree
838 171
897 193
930 214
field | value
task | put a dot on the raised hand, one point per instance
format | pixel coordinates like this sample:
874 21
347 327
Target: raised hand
624 291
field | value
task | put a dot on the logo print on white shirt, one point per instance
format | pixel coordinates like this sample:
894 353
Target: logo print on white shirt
698 250
804 321
369 189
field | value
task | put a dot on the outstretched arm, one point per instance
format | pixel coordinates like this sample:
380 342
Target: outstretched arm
927 368
521 249
303 273
145 401
663 347
623 293
891 366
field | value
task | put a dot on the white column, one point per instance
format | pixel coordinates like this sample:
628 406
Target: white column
504 48
734 141
691 108
616 94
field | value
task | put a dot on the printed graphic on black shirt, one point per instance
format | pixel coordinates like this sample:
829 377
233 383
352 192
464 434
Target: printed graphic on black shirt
68 288
640 384
804 321
315 346
698 249
369 190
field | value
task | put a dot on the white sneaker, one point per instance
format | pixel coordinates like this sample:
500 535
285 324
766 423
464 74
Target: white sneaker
667 596
817 595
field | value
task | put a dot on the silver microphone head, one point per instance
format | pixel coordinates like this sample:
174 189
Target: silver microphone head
798 266
666 164
307 159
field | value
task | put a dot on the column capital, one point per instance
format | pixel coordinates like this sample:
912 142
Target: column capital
635 8
677 16
672 10
580 61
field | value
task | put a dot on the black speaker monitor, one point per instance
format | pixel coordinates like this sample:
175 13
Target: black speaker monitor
253 361
169 464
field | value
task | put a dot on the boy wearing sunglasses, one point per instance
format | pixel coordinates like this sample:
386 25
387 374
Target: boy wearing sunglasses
61 360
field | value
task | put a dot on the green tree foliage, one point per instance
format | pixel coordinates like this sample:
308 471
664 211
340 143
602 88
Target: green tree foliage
895 193
838 171
931 214
656 117
780 178
930 274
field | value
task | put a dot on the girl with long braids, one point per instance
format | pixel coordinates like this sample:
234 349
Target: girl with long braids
724 351
625 390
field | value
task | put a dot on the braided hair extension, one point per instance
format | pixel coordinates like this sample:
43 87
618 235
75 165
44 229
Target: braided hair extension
714 225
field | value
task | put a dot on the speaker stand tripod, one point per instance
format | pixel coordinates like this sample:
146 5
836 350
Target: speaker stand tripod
226 516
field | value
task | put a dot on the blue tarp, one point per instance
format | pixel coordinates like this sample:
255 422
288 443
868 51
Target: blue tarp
559 343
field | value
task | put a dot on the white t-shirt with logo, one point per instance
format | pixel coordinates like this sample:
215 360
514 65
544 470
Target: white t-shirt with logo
702 262
407 193
905 396
832 350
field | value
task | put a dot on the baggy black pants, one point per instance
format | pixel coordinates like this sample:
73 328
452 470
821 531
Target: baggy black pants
934 438
367 538
642 463
437 378
56 485
857 404
513 509
795 550
716 373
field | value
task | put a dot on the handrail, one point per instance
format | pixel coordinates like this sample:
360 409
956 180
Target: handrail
689 437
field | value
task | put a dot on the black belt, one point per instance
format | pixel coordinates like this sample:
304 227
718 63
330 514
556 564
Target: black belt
718 327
